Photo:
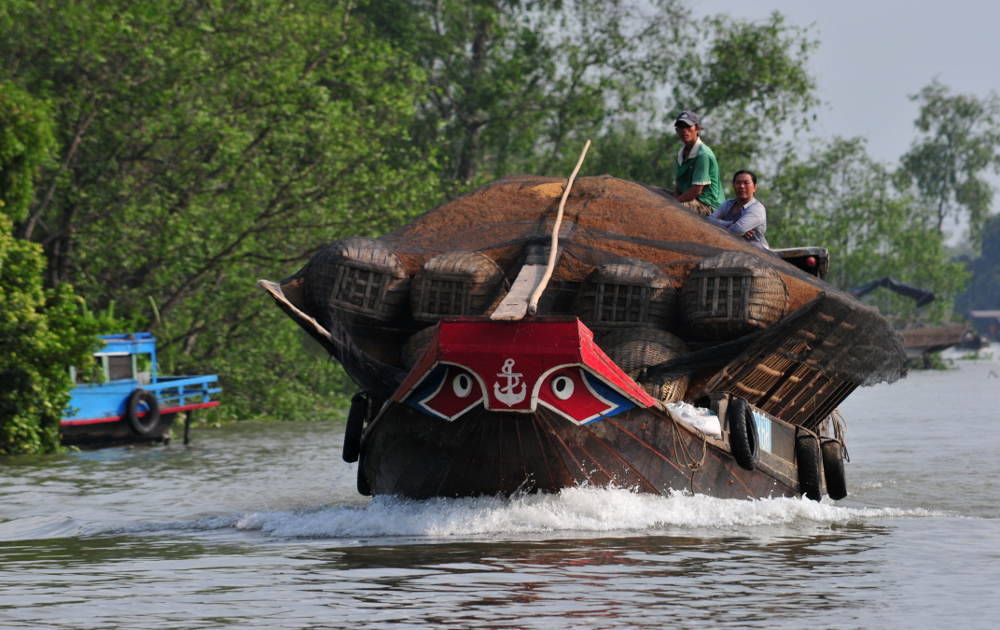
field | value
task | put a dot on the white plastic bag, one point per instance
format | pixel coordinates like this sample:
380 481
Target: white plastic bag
700 418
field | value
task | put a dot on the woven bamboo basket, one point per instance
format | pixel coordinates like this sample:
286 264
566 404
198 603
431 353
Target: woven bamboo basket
455 284
359 278
635 349
624 294
730 295
416 345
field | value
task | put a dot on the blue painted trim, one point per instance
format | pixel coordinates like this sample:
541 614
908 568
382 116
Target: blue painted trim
608 393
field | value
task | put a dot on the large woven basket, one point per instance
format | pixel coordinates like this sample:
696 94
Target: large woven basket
455 284
358 278
730 295
624 294
635 349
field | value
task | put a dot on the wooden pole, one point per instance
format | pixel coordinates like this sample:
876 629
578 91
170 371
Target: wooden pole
533 302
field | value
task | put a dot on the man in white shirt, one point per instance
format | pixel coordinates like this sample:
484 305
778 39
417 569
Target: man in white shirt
743 215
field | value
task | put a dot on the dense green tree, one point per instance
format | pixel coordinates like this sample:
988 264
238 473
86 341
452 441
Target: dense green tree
513 85
25 143
959 143
42 332
840 198
518 86
203 146
748 82
984 286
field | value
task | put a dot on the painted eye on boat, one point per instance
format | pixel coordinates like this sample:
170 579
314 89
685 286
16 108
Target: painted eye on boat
562 387
462 385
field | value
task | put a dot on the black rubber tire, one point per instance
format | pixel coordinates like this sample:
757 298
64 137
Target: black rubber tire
807 458
833 469
743 439
144 425
355 426
364 488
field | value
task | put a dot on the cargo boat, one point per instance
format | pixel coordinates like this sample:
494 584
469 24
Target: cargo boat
539 333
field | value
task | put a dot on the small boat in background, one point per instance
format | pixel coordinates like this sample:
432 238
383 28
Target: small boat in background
127 400
922 341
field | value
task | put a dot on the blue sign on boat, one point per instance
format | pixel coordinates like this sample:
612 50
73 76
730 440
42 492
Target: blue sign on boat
763 429
129 400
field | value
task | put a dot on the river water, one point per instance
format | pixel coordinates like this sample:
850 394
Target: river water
259 525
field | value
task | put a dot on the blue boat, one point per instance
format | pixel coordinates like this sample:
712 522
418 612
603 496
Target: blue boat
131 403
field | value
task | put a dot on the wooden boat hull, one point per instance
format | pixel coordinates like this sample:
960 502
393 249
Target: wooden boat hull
496 408
922 341
412 454
115 431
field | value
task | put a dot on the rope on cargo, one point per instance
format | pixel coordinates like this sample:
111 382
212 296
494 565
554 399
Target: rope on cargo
533 302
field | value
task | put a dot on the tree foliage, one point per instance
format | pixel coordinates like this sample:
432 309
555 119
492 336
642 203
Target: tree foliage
42 332
513 85
842 199
205 145
748 82
959 142
25 142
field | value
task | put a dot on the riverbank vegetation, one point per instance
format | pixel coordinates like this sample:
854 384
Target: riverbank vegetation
42 330
197 147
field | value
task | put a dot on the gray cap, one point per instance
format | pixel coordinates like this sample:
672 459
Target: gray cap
688 118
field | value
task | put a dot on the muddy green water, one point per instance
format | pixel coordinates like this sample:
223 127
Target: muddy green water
259 525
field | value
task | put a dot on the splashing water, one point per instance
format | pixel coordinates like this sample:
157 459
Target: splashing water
572 512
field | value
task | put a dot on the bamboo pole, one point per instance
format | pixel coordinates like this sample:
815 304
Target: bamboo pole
554 250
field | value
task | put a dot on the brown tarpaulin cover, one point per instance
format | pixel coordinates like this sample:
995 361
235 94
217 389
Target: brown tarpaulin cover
605 219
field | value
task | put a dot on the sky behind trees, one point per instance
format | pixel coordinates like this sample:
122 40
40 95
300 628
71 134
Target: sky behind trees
874 54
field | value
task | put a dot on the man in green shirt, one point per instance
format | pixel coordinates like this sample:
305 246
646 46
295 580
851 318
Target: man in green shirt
697 172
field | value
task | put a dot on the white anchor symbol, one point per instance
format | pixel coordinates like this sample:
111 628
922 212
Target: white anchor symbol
507 395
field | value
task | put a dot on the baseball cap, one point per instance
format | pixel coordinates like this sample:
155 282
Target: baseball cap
688 118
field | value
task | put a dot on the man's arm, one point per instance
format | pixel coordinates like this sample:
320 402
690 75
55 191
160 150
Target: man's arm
699 177
720 212
690 193
753 217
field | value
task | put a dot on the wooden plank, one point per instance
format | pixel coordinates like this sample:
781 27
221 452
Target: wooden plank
515 304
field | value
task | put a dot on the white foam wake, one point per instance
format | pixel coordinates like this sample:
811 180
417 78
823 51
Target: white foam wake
576 510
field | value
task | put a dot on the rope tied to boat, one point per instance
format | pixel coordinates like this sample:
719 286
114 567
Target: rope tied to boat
839 429
554 251
687 460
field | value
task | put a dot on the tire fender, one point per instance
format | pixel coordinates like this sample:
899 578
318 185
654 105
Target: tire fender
145 424
743 439
833 469
808 458
355 427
